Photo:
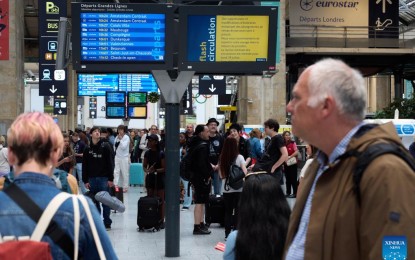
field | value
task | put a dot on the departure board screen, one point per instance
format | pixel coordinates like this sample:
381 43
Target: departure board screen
108 34
98 84
115 111
137 98
115 97
225 39
117 37
137 82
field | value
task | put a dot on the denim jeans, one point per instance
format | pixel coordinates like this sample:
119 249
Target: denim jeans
98 184
217 184
77 172
187 201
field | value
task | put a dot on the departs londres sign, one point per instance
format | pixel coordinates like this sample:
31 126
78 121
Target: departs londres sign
377 17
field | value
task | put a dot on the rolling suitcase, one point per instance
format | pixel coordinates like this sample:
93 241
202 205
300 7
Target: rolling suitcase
136 174
149 212
215 210
148 215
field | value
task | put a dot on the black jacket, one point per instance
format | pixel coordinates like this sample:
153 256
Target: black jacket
200 160
98 161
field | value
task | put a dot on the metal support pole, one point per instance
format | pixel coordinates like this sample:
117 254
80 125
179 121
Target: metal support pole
172 92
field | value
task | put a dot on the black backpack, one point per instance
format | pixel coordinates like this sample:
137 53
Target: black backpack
186 163
372 152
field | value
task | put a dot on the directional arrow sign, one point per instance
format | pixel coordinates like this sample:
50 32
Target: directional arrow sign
60 105
212 88
48 85
53 89
212 85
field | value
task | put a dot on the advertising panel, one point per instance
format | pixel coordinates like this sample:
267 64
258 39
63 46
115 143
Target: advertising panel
345 18
4 29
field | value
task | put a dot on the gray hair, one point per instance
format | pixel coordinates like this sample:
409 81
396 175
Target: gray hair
331 77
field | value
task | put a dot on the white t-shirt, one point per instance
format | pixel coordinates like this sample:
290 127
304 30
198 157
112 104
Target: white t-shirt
304 169
4 161
239 160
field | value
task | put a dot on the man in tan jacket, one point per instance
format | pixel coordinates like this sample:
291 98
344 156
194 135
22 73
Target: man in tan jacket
327 222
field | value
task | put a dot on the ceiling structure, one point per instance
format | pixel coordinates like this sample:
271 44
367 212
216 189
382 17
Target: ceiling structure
31 19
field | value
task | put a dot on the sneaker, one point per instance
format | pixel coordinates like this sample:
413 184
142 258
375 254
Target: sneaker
200 231
162 225
204 226
108 227
292 196
125 190
185 209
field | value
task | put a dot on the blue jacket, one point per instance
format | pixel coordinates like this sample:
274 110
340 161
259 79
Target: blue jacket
15 222
256 149
229 253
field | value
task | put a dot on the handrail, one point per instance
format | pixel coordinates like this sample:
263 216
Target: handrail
350 36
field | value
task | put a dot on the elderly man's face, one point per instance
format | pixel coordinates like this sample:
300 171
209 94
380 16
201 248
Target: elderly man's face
303 117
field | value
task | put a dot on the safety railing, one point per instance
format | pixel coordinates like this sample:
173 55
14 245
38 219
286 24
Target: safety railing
350 36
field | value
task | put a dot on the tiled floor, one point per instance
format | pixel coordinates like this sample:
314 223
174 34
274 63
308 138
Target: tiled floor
131 244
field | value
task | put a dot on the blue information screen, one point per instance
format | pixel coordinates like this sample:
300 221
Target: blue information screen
115 112
114 37
115 97
96 84
137 82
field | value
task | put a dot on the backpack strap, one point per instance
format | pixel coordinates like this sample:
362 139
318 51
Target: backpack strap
54 231
366 157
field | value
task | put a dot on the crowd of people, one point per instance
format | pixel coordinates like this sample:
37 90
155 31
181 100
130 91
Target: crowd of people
337 215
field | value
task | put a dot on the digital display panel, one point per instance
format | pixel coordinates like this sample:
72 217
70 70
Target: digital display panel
115 97
225 39
137 82
122 36
98 84
137 112
137 98
115 111
228 38
105 34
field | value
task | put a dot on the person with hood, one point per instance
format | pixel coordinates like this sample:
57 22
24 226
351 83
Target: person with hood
201 177
328 221
98 170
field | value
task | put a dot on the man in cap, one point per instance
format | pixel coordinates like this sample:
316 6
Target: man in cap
215 147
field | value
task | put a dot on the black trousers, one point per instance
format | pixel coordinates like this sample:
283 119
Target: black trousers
291 178
231 206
